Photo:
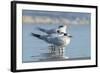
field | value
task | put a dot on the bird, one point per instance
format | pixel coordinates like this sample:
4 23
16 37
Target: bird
59 41
61 28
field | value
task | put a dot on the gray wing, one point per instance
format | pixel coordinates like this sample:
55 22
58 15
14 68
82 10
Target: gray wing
52 40
43 30
51 31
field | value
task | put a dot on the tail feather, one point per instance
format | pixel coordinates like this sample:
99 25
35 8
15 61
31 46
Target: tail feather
44 38
36 35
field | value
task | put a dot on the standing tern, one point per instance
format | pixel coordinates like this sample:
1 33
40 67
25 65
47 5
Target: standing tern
60 42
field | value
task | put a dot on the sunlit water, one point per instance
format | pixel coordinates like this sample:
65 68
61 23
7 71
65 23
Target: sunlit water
34 49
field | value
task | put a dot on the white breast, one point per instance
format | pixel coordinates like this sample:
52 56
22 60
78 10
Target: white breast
66 41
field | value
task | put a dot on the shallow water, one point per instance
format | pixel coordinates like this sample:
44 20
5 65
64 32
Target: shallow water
37 50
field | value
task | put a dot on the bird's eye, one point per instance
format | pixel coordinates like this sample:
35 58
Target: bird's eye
58 31
65 34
